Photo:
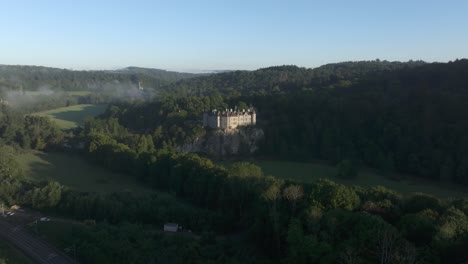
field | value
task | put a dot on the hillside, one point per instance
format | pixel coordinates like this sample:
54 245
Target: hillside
286 78
276 79
156 73
395 118
412 120
34 77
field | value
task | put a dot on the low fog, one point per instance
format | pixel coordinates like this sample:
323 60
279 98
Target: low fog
112 91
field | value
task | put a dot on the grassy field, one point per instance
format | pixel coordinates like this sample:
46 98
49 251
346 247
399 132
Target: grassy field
310 172
78 93
76 173
72 116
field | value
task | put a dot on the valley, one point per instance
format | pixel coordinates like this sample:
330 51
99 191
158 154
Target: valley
378 166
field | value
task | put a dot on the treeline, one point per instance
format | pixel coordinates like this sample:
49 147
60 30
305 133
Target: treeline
152 208
323 222
278 79
134 243
284 79
32 78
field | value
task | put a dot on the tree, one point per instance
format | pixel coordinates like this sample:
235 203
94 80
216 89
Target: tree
11 175
331 195
293 193
295 240
243 182
391 248
271 195
47 196
418 228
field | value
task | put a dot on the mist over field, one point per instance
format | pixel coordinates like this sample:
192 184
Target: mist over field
22 98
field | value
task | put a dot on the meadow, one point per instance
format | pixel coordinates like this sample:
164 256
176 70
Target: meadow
76 173
72 116
312 171
78 93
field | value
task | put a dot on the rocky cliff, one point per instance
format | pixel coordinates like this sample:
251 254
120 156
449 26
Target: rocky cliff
241 141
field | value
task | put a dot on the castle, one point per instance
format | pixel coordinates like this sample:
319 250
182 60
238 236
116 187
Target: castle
229 119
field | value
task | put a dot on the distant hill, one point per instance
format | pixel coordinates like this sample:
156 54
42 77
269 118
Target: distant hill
276 79
286 78
156 73
35 77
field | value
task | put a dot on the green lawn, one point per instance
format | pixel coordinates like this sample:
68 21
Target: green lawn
310 172
76 173
72 116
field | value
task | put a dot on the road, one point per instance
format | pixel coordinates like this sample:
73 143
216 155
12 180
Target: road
35 248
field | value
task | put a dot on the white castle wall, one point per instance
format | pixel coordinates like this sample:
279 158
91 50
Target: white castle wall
229 119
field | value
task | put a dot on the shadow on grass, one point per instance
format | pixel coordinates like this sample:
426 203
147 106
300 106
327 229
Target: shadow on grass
75 172
78 115
40 170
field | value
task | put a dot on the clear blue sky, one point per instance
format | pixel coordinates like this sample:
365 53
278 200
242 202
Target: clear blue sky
237 34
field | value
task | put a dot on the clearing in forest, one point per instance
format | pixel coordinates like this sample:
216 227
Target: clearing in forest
308 172
76 173
72 116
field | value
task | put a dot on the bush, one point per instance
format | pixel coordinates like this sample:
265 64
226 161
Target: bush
331 195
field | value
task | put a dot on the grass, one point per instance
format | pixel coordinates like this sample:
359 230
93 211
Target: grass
310 172
78 93
76 173
72 116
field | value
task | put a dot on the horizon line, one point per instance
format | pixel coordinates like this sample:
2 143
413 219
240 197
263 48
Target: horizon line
202 71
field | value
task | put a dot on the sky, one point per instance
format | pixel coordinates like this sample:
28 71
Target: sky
225 35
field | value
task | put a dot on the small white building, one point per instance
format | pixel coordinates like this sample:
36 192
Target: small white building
171 227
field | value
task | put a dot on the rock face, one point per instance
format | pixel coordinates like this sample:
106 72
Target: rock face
242 141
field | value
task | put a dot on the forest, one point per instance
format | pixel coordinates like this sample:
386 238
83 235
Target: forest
31 78
409 119
391 116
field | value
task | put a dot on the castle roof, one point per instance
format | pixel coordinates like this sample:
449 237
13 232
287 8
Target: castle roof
231 112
